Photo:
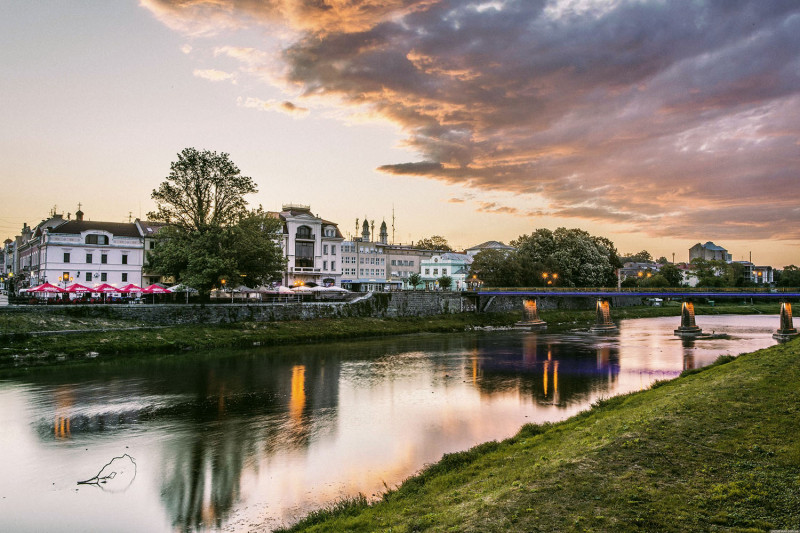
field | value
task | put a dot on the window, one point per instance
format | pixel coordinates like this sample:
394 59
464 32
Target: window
104 259
324 249
333 265
66 257
152 244
96 239
444 272
88 258
304 254
103 276
124 276
303 232
394 263
360 271
361 260
124 261
435 271
411 263
324 265
333 249
427 271
88 276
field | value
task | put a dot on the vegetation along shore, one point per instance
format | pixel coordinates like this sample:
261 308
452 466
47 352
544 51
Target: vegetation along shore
74 339
713 450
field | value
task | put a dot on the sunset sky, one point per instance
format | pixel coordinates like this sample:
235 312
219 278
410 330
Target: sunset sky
658 124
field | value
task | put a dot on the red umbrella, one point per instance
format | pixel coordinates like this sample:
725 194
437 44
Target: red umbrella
130 287
155 289
46 287
77 287
105 287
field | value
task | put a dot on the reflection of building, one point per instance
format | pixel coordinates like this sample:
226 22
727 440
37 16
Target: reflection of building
312 247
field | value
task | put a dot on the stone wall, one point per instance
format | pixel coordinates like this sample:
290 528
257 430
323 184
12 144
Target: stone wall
379 305
490 304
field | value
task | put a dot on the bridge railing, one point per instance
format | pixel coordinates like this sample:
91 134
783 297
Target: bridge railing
683 290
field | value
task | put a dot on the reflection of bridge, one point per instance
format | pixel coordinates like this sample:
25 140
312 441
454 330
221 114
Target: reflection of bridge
688 328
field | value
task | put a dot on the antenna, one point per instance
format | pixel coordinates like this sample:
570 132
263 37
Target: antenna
130 216
372 235
392 223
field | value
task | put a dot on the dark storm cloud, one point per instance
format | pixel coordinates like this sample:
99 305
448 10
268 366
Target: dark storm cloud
665 115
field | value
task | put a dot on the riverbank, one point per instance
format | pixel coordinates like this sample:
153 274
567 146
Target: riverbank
75 339
713 450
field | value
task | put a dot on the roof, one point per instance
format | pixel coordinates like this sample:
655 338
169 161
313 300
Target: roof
491 245
76 227
711 246
149 228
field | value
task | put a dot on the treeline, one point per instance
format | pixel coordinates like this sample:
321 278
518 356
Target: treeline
564 257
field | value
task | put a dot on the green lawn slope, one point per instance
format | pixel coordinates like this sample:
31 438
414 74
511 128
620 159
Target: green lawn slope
715 450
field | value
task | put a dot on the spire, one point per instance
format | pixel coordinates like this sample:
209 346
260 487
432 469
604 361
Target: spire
365 230
384 236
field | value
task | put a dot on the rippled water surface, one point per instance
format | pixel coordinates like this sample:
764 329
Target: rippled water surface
237 440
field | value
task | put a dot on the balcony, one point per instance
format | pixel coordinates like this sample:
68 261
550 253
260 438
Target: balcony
305 269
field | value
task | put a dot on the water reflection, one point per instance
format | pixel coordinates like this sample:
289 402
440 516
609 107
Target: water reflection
263 436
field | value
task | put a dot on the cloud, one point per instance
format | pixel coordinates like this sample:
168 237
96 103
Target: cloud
493 207
660 116
214 75
186 48
273 105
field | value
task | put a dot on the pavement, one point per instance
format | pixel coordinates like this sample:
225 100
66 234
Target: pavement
3 299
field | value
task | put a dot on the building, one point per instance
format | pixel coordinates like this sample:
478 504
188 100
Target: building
64 251
710 252
760 275
456 266
311 246
148 231
638 270
488 245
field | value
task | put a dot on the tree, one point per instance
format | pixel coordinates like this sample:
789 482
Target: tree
641 257
210 235
662 260
435 242
496 268
204 190
790 277
414 280
445 282
656 280
672 274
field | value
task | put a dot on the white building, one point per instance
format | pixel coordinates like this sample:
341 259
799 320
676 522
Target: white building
455 266
312 247
489 245
80 251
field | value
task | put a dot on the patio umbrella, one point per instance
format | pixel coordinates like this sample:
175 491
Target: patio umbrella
46 287
131 287
156 289
77 287
105 288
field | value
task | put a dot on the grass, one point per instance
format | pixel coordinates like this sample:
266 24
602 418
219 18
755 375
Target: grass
20 348
713 450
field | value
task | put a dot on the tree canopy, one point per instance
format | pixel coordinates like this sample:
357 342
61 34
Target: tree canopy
564 257
434 242
790 277
210 235
204 190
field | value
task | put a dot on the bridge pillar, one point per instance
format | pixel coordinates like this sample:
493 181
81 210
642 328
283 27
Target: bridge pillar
603 324
786 330
530 316
688 328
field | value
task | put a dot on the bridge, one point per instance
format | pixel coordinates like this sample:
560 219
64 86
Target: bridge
603 323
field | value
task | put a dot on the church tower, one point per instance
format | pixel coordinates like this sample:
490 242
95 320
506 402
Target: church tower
365 231
384 239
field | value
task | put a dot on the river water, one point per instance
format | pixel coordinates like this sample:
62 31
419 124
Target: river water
247 440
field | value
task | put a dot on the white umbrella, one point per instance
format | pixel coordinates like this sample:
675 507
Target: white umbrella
302 288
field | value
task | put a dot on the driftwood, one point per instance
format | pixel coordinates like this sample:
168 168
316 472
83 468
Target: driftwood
104 475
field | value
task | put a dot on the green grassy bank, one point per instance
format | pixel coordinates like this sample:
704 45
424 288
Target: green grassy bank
20 347
714 450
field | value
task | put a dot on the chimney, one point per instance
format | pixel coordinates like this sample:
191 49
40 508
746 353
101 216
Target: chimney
79 215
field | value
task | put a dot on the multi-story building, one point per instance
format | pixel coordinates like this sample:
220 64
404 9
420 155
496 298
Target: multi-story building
312 247
455 266
148 231
710 252
68 251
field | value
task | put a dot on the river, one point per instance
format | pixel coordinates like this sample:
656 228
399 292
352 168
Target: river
252 439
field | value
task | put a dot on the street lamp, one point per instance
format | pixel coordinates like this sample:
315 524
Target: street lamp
66 278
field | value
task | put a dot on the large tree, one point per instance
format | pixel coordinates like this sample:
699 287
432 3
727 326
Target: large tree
210 235
204 191
790 277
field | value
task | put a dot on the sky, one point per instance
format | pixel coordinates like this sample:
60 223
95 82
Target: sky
658 124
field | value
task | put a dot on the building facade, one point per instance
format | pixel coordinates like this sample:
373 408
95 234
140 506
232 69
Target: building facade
710 252
311 246
455 266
